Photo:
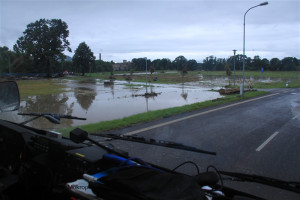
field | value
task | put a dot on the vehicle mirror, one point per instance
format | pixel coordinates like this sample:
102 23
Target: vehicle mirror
9 96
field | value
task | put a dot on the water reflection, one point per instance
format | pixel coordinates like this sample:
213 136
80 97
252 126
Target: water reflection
85 96
53 103
152 97
183 93
147 104
97 102
112 91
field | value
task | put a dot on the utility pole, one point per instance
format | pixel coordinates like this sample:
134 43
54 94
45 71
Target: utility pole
146 77
234 66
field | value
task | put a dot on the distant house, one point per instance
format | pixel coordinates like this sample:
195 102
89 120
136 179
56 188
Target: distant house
124 66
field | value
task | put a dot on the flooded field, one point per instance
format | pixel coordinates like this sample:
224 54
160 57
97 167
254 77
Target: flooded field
222 81
96 101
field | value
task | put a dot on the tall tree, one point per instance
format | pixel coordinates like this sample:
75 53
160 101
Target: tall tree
102 66
220 64
275 64
265 63
209 63
4 60
257 63
140 64
83 57
179 62
192 65
165 64
289 63
239 62
45 40
156 64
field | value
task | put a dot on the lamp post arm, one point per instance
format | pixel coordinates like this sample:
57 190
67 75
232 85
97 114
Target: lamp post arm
248 11
243 84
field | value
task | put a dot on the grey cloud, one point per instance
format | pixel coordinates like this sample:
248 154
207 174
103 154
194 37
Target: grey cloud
122 29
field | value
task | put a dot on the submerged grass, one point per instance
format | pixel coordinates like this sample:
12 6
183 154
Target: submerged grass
293 77
166 78
158 114
40 87
173 77
271 74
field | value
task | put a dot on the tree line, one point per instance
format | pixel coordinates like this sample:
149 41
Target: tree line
179 63
213 63
274 64
41 50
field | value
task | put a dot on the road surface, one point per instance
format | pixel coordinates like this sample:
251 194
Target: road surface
258 136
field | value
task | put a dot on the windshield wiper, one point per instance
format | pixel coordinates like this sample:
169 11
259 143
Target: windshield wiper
286 185
153 142
54 118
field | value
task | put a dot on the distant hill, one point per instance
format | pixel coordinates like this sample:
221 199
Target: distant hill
68 58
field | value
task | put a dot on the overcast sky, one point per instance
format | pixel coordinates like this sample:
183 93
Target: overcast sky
126 29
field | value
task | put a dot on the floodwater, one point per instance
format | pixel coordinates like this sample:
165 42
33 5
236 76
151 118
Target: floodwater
97 102
222 81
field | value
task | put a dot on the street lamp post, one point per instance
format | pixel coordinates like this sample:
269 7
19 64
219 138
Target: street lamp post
234 66
146 76
243 85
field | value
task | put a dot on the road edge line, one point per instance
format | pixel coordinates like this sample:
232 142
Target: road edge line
195 115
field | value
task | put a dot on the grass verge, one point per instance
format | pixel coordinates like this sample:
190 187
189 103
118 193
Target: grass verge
158 114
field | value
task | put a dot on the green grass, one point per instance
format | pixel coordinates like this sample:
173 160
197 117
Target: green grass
158 114
39 87
165 78
192 76
292 76
271 74
282 84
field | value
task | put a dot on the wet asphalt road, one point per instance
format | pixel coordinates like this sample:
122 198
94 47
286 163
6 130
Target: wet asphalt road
260 136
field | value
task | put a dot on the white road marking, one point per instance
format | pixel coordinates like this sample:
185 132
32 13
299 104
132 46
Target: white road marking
267 141
195 115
